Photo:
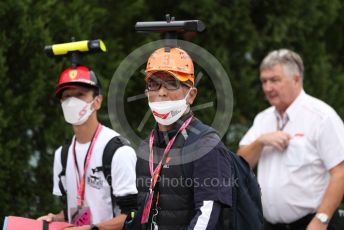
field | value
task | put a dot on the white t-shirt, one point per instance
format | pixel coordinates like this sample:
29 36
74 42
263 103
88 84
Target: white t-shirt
97 190
294 181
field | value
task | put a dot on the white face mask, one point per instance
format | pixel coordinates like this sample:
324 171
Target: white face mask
76 111
168 112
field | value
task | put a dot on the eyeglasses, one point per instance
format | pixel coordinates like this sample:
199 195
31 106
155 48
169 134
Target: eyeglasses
154 84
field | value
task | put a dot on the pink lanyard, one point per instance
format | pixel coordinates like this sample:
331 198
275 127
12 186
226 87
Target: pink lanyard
81 185
155 172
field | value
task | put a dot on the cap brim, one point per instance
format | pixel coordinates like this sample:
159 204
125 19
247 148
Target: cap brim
179 76
59 90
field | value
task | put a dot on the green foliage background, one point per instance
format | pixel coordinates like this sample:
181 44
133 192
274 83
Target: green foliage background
239 34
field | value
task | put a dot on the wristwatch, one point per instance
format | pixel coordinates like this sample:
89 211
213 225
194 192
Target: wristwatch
322 217
94 227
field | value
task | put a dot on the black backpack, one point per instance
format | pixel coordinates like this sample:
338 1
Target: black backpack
109 151
246 212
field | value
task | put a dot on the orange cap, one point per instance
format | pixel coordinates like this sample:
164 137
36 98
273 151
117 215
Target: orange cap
175 62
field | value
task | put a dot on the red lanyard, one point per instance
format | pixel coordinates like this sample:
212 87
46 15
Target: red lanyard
81 182
155 172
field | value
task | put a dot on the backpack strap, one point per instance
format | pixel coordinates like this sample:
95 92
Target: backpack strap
64 157
197 131
109 151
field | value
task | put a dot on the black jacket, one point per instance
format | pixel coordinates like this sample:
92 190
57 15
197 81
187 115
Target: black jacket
181 184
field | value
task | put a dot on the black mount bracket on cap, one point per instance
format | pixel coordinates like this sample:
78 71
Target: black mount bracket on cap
75 57
170 28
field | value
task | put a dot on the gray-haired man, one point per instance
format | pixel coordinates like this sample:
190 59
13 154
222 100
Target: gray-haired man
298 144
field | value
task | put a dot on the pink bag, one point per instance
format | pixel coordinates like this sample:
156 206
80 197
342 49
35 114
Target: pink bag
21 223
82 217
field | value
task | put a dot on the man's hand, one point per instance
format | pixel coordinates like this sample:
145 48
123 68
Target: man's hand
52 217
251 152
278 139
49 218
315 224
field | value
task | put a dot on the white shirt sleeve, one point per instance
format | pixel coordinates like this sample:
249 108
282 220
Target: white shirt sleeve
56 171
206 216
330 140
252 134
123 172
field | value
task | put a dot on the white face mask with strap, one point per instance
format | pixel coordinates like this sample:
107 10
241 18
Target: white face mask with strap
76 111
168 112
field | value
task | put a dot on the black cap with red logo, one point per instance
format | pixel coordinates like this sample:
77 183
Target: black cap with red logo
81 76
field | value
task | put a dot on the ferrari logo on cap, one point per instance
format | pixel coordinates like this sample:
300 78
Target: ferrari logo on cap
72 74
